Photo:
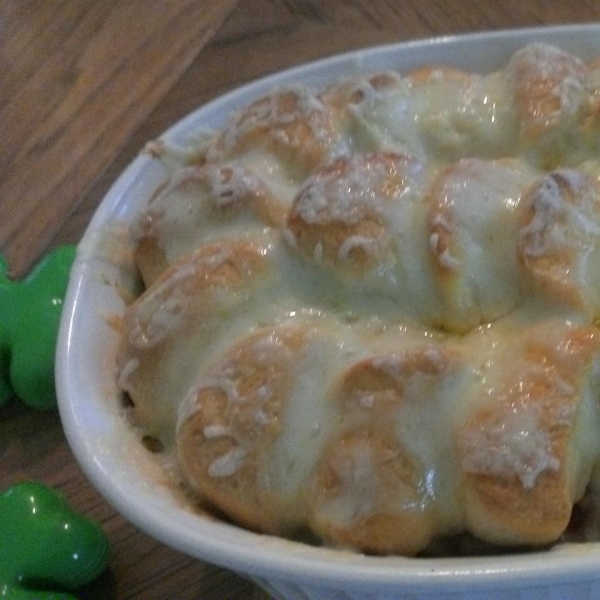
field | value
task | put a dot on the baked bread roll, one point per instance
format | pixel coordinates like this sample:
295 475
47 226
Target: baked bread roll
346 212
475 214
553 102
253 424
174 324
527 450
559 243
379 485
461 114
291 130
370 310
201 204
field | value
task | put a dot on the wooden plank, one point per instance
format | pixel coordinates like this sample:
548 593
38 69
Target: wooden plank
101 68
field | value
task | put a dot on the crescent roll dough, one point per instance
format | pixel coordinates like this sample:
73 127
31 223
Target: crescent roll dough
377 486
193 206
527 451
248 433
172 326
345 213
476 210
559 241
370 310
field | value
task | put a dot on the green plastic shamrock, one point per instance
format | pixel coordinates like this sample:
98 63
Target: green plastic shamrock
29 319
43 543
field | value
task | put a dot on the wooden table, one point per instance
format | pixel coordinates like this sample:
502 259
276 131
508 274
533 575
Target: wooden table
82 86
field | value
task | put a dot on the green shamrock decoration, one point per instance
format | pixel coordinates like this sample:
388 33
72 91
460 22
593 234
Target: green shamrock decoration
29 319
43 543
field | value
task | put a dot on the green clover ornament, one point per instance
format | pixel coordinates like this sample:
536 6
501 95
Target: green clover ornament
29 318
45 544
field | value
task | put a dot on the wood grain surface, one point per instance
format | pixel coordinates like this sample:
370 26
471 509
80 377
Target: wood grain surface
83 84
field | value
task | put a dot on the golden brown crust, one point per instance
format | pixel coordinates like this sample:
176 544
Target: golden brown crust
558 243
517 450
474 214
350 93
382 528
195 202
369 489
552 101
428 74
338 216
548 86
293 125
229 423
183 309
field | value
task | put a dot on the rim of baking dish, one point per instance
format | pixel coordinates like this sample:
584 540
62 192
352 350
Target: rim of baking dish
83 374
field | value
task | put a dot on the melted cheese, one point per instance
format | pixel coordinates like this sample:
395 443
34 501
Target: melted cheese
370 309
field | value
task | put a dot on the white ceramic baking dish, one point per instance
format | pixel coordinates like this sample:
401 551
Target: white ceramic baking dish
130 477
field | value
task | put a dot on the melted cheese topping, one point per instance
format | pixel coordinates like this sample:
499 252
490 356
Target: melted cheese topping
370 310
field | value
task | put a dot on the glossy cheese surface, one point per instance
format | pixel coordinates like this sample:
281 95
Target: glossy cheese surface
369 310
